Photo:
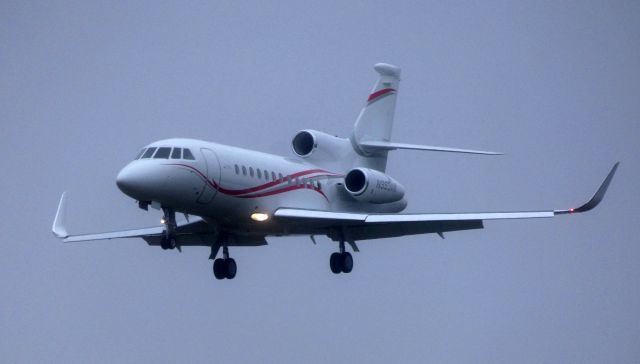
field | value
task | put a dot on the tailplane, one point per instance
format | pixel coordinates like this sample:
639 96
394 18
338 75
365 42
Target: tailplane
371 137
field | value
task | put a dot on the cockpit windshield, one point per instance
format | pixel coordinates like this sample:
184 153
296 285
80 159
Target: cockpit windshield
148 153
140 154
186 154
162 153
165 153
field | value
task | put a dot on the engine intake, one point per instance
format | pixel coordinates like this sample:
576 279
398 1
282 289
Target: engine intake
304 143
316 145
369 185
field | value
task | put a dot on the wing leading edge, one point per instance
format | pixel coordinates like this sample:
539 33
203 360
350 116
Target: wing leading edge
150 234
363 226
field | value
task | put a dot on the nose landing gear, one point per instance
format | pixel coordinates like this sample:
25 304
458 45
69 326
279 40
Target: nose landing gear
169 220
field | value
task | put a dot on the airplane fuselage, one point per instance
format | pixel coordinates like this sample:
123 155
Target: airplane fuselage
227 185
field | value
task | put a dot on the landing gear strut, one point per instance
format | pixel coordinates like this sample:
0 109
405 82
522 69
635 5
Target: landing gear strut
341 262
169 237
225 267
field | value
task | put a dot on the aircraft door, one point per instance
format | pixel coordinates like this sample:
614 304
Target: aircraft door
213 173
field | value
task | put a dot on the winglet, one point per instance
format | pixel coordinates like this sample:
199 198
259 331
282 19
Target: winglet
597 197
58 227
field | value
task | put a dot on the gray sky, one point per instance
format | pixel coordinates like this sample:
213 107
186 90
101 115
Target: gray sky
553 84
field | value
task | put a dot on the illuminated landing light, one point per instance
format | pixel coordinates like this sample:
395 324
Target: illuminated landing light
259 216
163 221
571 210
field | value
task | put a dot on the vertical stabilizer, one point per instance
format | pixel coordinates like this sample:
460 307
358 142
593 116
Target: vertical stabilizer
375 121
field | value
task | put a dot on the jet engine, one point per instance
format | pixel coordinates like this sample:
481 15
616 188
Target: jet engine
369 185
311 142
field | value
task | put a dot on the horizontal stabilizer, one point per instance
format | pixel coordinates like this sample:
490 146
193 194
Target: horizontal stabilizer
380 146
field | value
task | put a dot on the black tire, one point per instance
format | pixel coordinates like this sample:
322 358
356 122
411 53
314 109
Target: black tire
335 263
347 262
230 268
164 244
219 268
167 243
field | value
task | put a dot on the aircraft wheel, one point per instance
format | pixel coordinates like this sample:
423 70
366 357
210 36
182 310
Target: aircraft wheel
231 268
219 268
347 262
164 244
335 262
168 243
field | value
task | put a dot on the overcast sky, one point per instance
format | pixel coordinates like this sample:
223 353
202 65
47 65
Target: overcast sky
553 84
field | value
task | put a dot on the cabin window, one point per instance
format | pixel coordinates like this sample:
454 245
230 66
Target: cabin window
236 168
273 176
259 172
186 154
162 153
244 170
280 177
176 153
140 154
149 153
251 171
266 175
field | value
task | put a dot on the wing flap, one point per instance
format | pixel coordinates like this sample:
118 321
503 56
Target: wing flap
348 217
382 218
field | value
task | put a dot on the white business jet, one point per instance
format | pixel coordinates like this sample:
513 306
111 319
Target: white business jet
330 186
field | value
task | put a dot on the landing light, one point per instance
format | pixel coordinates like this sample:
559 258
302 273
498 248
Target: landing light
163 221
259 216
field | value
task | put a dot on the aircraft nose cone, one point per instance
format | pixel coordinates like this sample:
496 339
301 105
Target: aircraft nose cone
130 181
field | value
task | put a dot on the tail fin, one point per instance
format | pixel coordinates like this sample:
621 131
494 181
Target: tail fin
375 121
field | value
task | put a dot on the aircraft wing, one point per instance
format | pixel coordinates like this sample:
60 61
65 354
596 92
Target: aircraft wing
196 226
362 226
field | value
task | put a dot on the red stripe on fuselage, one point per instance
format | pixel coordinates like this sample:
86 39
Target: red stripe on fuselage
380 93
264 186
286 189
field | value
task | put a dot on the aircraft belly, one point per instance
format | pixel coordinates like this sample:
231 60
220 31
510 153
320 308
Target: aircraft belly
234 210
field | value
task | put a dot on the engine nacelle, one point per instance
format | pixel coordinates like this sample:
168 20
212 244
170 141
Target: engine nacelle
369 185
312 142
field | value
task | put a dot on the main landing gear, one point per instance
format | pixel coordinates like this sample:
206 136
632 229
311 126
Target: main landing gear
225 267
341 262
169 220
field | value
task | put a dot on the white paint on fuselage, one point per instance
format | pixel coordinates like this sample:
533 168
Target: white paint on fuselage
180 183
210 186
